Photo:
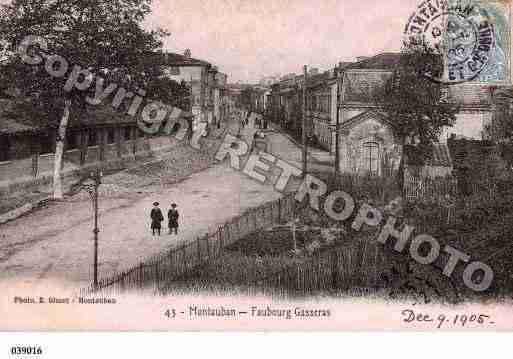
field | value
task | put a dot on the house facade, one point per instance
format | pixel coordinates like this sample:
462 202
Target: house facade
321 108
28 151
366 141
206 84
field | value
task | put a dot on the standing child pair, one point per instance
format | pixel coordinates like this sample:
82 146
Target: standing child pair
157 217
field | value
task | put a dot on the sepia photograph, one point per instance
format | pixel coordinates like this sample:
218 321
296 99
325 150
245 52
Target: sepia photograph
331 165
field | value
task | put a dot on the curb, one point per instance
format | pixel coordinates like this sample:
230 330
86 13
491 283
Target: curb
28 207
295 142
20 211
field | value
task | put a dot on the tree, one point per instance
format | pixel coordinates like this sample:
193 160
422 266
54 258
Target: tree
169 92
500 130
94 37
417 106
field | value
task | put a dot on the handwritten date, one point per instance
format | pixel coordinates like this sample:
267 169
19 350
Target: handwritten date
441 320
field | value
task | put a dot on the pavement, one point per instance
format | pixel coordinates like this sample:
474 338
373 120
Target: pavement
315 155
55 243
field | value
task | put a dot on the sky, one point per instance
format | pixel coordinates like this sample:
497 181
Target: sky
250 39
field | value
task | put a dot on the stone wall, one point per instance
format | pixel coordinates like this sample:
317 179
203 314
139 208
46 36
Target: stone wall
17 176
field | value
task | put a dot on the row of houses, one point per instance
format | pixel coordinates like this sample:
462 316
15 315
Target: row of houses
102 133
367 143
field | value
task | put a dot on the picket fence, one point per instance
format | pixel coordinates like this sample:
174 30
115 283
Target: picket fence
426 188
356 264
179 261
358 268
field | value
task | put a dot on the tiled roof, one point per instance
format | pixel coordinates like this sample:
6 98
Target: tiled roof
360 86
99 115
315 80
106 115
8 125
469 94
173 59
467 153
384 61
439 157
90 116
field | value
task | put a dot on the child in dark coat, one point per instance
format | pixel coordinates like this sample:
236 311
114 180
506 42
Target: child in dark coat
156 217
172 216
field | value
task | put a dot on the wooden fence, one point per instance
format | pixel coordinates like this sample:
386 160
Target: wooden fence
179 261
357 268
426 188
358 264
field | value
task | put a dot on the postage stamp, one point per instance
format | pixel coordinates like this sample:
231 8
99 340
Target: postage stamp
253 171
472 37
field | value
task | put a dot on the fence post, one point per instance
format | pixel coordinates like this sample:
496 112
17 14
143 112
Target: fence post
255 219
221 237
279 210
140 276
208 246
157 275
170 266
334 268
184 259
198 240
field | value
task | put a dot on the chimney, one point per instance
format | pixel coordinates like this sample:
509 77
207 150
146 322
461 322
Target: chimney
187 53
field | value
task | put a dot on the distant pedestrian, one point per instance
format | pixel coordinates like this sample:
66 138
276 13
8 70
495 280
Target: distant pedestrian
172 216
156 218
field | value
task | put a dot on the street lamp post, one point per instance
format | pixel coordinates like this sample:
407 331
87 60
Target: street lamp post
91 185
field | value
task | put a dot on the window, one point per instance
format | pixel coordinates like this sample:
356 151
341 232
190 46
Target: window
371 157
127 133
93 138
110 136
5 149
47 143
72 140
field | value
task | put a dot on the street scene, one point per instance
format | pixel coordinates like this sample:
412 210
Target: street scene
135 162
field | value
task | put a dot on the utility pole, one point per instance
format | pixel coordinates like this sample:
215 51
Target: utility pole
303 132
97 181
337 124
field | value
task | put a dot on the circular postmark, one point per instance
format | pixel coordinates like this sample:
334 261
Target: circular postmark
462 35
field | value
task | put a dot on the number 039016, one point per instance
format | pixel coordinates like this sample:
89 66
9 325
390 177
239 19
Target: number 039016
26 350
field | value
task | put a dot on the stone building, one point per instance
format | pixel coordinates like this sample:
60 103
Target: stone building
205 81
367 144
321 108
95 137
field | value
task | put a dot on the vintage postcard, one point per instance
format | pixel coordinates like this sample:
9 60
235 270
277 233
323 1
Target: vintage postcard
175 165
